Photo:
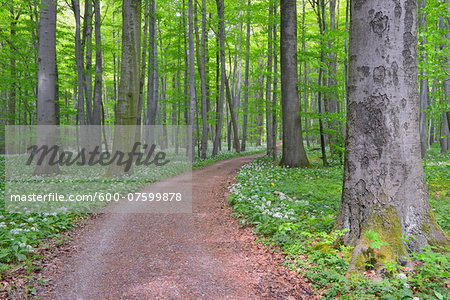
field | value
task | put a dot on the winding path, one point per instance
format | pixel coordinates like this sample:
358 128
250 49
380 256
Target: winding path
203 255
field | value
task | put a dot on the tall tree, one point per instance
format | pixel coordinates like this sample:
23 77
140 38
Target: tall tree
384 187
97 112
191 81
246 86
447 67
203 84
46 107
423 83
128 96
220 10
294 154
269 81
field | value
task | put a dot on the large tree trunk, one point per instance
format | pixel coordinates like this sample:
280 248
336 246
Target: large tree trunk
294 154
128 97
384 187
46 108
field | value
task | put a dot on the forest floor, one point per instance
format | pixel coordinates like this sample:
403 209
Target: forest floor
204 255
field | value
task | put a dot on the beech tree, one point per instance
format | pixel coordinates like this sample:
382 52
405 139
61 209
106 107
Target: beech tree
46 106
384 187
128 95
294 154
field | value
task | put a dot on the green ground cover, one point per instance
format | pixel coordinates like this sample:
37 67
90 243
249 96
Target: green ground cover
294 209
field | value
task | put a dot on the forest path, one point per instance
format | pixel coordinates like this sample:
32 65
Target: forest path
203 255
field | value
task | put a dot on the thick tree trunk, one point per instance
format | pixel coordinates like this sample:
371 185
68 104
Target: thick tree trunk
46 108
384 187
294 154
127 103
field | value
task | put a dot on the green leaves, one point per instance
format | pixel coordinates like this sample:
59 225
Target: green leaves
374 238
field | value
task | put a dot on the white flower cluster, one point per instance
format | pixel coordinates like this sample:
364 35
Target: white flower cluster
258 178
29 247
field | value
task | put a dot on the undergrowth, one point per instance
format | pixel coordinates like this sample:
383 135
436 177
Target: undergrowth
296 209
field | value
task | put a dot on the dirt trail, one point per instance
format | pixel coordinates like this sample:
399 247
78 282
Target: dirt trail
203 255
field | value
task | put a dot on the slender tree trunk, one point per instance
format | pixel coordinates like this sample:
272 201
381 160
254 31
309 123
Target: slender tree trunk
191 81
246 86
97 109
294 154
79 61
447 68
220 10
305 75
152 77
275 82
87 45
143 69
233 119
203 84
423 84
384 187
269 82
321 19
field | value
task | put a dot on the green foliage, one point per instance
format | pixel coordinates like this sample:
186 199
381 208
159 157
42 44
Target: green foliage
295 209
374 238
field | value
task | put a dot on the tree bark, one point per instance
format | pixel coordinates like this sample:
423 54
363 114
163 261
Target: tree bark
46 108
384 187
269 83
128 96
191 81
246 86
275 83
220 10
294 154
203 85
423 84
97 105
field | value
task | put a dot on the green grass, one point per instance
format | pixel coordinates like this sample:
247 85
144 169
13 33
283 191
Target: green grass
295 209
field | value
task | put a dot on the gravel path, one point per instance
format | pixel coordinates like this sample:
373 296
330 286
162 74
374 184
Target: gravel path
203 255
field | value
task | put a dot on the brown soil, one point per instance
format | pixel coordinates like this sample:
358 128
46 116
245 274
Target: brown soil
203 255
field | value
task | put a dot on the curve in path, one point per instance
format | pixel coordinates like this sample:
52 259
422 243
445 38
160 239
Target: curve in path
203 255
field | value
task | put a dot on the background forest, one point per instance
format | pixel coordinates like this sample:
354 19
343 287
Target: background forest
218 66
89 62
